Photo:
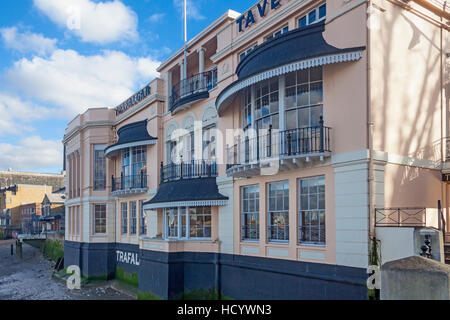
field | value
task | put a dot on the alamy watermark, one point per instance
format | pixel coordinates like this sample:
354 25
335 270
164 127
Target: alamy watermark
74 281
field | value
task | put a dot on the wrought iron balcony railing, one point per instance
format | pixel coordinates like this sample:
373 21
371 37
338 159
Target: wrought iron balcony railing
401 217
199 83
280 144
127 183
194 170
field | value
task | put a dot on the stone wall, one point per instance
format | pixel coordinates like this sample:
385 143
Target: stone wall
8 178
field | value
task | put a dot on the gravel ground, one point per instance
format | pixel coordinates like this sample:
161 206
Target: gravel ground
30 278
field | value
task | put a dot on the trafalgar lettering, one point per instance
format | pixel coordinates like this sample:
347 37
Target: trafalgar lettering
247 19
127 257
132 101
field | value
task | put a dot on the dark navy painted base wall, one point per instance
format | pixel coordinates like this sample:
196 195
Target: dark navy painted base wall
94 259
169 275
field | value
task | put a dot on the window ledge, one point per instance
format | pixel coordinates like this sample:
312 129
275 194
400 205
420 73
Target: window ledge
321 247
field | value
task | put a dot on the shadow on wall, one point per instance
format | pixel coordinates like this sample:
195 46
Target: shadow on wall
413 127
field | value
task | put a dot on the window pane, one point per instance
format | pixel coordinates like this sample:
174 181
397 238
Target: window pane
316 74
303 95
290 79
322 11
303 118
302 22
291 119
312 17
316 93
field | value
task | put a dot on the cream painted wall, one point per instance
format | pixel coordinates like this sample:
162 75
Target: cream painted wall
406 89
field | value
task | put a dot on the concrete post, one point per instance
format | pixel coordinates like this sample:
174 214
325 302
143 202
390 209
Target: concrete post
415 278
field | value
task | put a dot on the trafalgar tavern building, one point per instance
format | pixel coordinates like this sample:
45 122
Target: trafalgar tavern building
259 164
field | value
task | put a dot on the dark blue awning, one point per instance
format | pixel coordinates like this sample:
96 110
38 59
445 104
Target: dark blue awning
202 192
298 49
132 135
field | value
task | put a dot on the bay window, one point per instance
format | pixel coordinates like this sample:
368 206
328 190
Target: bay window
134 167
188 223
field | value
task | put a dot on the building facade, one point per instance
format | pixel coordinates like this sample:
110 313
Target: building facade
53 213
13 197
30 214
257 165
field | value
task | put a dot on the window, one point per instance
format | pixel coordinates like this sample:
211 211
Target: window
171 152
134 167
247 109
133 218
209 142
139 160
277 33
100 218
126 168
185 222
278 213
311 216
316 15
124 213
99 168
172 222
250 213
266 108
246 52
143 223
304 98
200 222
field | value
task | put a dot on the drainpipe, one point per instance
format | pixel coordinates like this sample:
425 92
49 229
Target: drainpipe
217 282
370 177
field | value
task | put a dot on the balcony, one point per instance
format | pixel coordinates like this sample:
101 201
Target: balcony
192 89
126 185
187 185
278 151
195 170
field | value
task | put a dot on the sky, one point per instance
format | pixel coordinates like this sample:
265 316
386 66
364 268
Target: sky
60 57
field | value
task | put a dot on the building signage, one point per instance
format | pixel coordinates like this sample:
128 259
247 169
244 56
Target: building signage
247 19
127 257
132 101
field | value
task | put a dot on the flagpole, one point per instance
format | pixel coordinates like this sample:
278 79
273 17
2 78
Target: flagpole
185 40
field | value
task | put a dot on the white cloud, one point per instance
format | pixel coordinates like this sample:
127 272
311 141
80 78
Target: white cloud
95 22
72 82
27 41
193 11
32 153
156 17
16 115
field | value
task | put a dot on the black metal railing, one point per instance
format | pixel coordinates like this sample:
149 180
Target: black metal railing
198 83
132 182
193 170
401 217
282 144
446 149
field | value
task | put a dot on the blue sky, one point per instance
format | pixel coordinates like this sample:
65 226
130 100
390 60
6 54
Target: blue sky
59 57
